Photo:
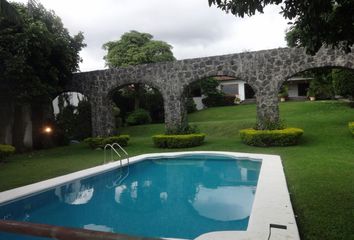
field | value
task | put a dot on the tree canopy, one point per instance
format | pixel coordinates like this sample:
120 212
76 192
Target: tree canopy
314 23
37 55
136 48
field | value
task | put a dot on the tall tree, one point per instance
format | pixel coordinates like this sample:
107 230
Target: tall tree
37 57
136 48
9 12
315 22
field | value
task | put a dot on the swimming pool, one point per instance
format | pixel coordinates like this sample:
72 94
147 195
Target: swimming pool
174 195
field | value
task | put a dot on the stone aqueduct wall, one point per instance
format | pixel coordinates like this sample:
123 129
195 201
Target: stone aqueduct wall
264 70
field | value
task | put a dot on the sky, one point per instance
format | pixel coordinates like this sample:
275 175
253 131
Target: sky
192 27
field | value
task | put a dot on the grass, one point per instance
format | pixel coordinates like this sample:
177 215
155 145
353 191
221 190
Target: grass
319 171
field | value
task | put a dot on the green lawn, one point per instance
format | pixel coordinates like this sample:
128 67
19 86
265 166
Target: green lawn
320 171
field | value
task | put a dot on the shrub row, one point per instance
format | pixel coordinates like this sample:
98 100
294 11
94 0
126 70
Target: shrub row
100 142
265 138
6 150
351 127
178 141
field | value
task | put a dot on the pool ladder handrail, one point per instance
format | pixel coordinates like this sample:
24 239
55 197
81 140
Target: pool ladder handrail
113 149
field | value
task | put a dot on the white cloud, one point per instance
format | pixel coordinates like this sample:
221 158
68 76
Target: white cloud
191 27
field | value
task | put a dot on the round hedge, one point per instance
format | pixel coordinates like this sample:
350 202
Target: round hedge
266 138
100 142
178 141
6 150
351 127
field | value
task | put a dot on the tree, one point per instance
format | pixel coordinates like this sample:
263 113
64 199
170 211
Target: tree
343 80
37 57
136 48
9 12
315 22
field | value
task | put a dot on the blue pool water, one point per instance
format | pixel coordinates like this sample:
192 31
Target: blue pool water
180 197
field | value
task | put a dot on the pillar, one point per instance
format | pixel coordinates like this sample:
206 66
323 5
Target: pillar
175 113
102 117
267 109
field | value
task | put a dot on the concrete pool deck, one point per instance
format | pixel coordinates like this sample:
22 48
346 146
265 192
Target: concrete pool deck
271 203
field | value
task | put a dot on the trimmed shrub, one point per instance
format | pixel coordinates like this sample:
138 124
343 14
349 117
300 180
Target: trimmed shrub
138 117
178 141
265 138
100 142
351 127
120 139
6 150
94 142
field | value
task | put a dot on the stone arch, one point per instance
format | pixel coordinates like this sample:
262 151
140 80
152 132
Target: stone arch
128 105
264 70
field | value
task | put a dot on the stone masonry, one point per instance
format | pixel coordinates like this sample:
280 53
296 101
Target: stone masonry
265 71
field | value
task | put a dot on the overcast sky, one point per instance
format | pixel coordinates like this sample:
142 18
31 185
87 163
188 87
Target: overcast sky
192 27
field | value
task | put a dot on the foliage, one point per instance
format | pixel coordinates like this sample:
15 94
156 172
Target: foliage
351 127
6 150
136 48
190 105
8 12
314 22
214 97
343 80
178 141
283 93
266 138
182 130
74 122
138 117
38 56
100 142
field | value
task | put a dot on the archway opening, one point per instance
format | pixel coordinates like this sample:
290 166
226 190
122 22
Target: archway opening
72 111
136 104
320 83
218 91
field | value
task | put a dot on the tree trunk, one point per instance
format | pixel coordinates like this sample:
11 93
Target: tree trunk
6 119
22 128
137 89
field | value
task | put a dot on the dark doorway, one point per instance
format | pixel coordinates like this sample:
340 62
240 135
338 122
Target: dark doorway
249 93
302 89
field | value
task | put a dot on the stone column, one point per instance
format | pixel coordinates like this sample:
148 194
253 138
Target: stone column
175 113
102 117
267 109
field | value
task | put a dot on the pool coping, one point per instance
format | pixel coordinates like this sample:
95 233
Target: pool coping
271 203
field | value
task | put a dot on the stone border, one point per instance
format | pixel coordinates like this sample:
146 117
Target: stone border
271 204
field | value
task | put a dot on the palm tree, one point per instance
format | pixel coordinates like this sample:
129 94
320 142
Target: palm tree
9 12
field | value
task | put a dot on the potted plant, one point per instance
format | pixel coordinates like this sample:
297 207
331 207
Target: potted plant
237 99
311 94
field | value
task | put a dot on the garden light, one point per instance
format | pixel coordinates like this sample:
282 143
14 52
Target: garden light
48 130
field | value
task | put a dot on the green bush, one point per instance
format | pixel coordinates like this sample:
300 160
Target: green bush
351 127
138 117
100 142
120 139
265 138
6 150
178 141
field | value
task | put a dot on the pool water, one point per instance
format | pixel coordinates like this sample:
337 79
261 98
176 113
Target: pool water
180 197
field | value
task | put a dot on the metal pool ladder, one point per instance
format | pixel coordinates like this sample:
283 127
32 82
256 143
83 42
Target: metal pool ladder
114 151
